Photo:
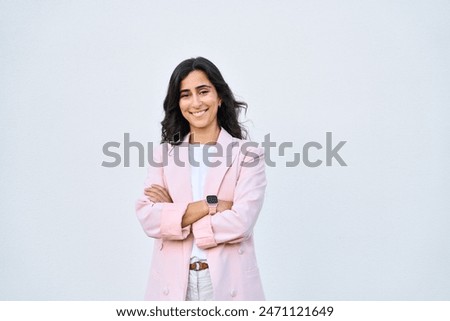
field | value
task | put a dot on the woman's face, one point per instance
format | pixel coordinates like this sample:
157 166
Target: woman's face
199 101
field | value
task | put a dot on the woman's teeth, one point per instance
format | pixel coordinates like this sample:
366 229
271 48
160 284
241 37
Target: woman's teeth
199 113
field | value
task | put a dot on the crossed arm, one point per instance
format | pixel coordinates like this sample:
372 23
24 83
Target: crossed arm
194 211
162 218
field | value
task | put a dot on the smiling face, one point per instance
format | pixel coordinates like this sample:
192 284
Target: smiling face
199 102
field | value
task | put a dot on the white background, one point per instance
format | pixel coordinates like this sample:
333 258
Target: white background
77 74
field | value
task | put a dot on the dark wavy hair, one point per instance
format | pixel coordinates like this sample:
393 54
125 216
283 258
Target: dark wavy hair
175 126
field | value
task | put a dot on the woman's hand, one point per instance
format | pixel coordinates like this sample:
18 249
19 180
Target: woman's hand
157 194
224 205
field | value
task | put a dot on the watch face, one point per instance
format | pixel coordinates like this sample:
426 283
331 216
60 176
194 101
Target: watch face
212 199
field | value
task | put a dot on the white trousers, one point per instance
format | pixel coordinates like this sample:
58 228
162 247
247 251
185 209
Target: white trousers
199 286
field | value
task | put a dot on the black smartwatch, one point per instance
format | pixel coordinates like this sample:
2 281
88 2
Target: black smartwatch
212 202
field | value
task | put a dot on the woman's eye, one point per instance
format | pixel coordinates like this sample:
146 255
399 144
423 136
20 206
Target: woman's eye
203 92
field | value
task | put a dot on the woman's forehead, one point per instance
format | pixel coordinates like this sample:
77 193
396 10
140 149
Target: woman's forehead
194 79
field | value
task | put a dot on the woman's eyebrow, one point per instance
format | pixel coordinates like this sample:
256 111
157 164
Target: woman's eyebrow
202 86
198 87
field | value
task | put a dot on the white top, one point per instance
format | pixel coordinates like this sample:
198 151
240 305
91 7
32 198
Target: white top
198 176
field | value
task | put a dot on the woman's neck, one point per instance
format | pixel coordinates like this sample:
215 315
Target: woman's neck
204 137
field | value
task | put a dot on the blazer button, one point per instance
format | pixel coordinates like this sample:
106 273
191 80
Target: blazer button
241 251
233 293
166 291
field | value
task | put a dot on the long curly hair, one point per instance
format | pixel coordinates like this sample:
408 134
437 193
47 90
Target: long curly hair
175 127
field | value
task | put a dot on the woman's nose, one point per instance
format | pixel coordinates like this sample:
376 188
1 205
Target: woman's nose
196 101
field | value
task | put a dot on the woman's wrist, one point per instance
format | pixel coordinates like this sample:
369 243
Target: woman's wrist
204 207
194 212
224 205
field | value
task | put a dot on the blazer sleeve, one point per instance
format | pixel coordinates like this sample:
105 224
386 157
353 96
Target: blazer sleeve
236 225
160 220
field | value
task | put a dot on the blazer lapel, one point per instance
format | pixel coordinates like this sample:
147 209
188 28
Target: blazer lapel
178 171
227 150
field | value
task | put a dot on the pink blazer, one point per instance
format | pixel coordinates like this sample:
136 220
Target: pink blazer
227 237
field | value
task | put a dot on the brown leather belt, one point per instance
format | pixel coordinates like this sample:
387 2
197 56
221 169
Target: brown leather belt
198 266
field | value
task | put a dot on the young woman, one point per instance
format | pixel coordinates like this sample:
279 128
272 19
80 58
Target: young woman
203 193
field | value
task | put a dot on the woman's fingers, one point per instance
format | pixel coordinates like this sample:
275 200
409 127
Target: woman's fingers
163 192
153 196
158 194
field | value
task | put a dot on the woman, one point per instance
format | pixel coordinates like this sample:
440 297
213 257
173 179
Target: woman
203 193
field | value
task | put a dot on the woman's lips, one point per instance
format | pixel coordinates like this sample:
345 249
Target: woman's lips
199 113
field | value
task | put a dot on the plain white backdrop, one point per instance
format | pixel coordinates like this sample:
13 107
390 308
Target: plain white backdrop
77 74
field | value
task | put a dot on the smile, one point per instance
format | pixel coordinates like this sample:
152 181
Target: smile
199 113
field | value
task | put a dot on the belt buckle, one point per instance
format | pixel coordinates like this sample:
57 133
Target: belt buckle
197 266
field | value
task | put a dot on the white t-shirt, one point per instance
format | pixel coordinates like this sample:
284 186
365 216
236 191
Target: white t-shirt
198 176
